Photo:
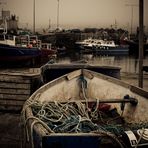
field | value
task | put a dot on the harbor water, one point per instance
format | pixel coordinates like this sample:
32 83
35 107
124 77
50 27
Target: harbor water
128 64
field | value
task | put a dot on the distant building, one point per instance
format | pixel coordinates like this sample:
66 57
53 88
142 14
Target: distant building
5 15
11 20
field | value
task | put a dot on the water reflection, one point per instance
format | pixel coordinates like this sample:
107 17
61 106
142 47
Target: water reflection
127 63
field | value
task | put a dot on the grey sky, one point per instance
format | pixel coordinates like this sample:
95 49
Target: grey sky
76 13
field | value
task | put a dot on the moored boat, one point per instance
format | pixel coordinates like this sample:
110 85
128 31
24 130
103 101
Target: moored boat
47 52
52 70
102 47
32 41
86 109
134 47
9 53
25 49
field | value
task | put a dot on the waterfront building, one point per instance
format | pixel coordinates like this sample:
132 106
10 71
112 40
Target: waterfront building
11 20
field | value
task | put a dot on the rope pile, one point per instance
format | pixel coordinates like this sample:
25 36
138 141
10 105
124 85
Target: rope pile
72 117
64 117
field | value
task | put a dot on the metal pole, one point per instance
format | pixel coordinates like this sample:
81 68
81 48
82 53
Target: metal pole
133 101
33 16
141 9
58 16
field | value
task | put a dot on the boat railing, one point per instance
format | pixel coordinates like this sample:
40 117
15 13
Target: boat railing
28 41
7 39
35 43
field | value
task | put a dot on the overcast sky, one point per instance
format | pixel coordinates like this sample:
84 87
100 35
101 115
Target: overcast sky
76 13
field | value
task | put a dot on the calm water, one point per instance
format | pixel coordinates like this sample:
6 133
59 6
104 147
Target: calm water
128 64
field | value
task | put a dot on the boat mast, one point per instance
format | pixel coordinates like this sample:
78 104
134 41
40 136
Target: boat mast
33 16
141 10
58 15
132 14
49 27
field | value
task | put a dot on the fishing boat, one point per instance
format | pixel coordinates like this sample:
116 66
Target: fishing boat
32 41
24 49
9 54
102 47
86 109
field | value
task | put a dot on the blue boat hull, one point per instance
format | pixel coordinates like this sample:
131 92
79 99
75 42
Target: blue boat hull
111 51
14 54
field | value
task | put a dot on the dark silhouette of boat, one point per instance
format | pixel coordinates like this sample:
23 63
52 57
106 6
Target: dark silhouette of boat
9 53
26 50
134 47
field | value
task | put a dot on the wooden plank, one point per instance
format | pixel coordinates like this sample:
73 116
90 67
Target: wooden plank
20 72
14 85
14 97
10 108
73 74
15 91
139 91
4 78
88 74
11 102
78 66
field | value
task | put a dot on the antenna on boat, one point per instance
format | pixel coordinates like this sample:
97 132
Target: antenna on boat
33 16
115 24
49 27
